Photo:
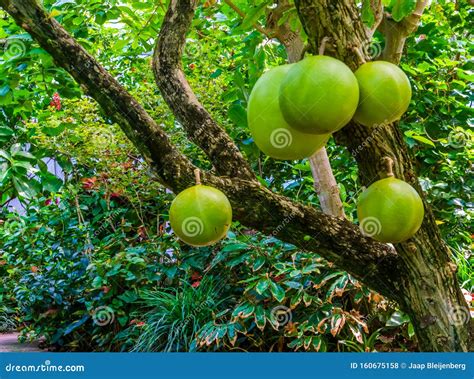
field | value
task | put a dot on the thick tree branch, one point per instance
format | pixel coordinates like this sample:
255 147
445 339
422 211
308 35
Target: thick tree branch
176 91
337 240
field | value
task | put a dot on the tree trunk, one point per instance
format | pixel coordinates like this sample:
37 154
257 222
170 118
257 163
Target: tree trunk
430 293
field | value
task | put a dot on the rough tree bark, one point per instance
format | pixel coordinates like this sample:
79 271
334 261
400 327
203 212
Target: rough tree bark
420 275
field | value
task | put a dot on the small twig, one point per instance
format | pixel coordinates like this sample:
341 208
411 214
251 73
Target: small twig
359 54
197 174
322 46
388 163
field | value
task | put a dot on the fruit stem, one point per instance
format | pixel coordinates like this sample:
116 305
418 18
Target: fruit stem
197 174
322 47
388 162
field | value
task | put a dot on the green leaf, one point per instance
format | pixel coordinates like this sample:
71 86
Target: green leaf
424 140
26 190
368 16
123 320
244 310
238 115
60 3
6 132
51 183
294 285
24 155
259 262
129 296
5 155
402 8
24 164
4 175
234 247
76 324
398 318
419 138
262 286
97 282
4 90
56 131
253 15
296 299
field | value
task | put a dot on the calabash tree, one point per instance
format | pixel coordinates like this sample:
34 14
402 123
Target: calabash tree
418 273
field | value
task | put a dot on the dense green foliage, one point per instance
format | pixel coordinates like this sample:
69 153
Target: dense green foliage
92 264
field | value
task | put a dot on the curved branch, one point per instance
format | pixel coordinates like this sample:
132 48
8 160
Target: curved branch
175 89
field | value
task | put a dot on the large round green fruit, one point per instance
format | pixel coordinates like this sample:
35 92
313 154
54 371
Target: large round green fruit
200 215
319 95
390 210
385 93
269 130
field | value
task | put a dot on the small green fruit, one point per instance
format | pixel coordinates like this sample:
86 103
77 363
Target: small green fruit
269 130
385 93
319 95
200 215
390 210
